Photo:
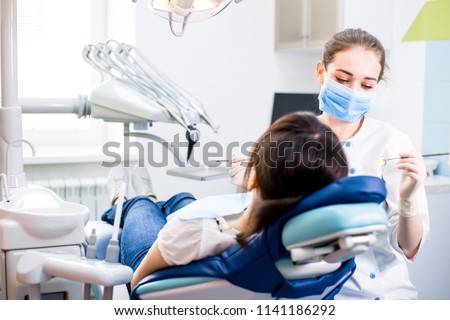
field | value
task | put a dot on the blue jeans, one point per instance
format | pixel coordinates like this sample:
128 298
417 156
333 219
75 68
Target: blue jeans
141 221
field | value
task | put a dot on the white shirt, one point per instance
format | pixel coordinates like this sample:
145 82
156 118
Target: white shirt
182 241
199 230
382 271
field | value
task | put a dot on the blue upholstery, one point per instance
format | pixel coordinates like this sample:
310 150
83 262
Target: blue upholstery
337 217
247 266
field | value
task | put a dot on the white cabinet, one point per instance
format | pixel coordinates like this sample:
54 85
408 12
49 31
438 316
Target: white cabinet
308 24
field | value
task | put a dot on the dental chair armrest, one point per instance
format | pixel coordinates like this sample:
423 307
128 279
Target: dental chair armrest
320 232
289 270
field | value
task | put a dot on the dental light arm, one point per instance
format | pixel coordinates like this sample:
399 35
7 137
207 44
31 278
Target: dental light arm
186 11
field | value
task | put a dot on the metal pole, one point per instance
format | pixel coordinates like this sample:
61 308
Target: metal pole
9 53
10 113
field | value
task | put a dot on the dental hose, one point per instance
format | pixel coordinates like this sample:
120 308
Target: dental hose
112 251
91 253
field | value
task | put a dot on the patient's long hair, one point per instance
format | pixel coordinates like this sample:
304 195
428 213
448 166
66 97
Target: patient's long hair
295 157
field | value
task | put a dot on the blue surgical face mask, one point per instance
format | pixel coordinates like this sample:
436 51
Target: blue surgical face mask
344 103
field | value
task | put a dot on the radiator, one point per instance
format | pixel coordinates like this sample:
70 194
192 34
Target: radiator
91 192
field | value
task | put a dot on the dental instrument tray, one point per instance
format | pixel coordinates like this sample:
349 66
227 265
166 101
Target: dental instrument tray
199 173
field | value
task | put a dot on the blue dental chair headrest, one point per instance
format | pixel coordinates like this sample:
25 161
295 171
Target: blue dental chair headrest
254 267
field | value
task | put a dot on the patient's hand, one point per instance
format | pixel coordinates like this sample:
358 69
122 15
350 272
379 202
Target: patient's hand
237 170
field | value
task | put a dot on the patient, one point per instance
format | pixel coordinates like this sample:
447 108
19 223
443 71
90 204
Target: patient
295 157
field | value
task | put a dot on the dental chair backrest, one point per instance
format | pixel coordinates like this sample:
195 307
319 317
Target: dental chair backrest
346 205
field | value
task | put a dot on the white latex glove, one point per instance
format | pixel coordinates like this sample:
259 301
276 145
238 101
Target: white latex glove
414 174
237 170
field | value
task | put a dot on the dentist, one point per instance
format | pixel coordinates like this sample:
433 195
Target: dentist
353 63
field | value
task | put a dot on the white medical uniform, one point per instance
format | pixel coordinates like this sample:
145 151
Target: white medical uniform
382 271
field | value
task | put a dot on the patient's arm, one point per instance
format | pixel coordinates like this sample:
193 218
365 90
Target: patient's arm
153 261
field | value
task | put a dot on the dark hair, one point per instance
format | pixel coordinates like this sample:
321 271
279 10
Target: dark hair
295 157
350 38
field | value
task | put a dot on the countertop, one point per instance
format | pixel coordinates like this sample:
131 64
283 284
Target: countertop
437 184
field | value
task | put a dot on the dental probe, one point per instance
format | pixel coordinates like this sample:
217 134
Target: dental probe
382 161
228 161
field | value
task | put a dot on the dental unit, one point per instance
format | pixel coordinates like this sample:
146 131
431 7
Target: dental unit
35 224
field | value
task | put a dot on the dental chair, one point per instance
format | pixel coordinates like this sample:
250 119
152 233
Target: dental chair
308 253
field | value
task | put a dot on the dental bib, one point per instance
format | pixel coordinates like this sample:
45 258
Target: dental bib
214 206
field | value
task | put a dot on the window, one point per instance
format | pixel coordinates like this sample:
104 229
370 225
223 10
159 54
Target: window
51 37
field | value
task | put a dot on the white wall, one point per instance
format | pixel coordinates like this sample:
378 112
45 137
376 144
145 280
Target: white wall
400 99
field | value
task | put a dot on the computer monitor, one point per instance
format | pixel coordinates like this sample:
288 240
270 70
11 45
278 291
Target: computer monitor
285 103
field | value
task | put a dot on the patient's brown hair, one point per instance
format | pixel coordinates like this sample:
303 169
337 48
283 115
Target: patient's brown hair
295 157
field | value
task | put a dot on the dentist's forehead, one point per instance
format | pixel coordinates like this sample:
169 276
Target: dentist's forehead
357 61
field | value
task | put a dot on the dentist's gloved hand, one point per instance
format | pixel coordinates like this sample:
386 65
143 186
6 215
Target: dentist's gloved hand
237 170
413 176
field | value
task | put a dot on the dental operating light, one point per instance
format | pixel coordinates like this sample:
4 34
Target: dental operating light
186 11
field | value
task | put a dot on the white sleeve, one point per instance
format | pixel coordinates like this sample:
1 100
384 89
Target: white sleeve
179 241
391 175
183 241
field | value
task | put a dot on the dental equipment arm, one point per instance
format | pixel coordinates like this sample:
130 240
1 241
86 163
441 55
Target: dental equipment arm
139 93
134 91
126 65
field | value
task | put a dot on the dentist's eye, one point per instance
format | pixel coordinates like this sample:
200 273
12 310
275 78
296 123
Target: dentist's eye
341 80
